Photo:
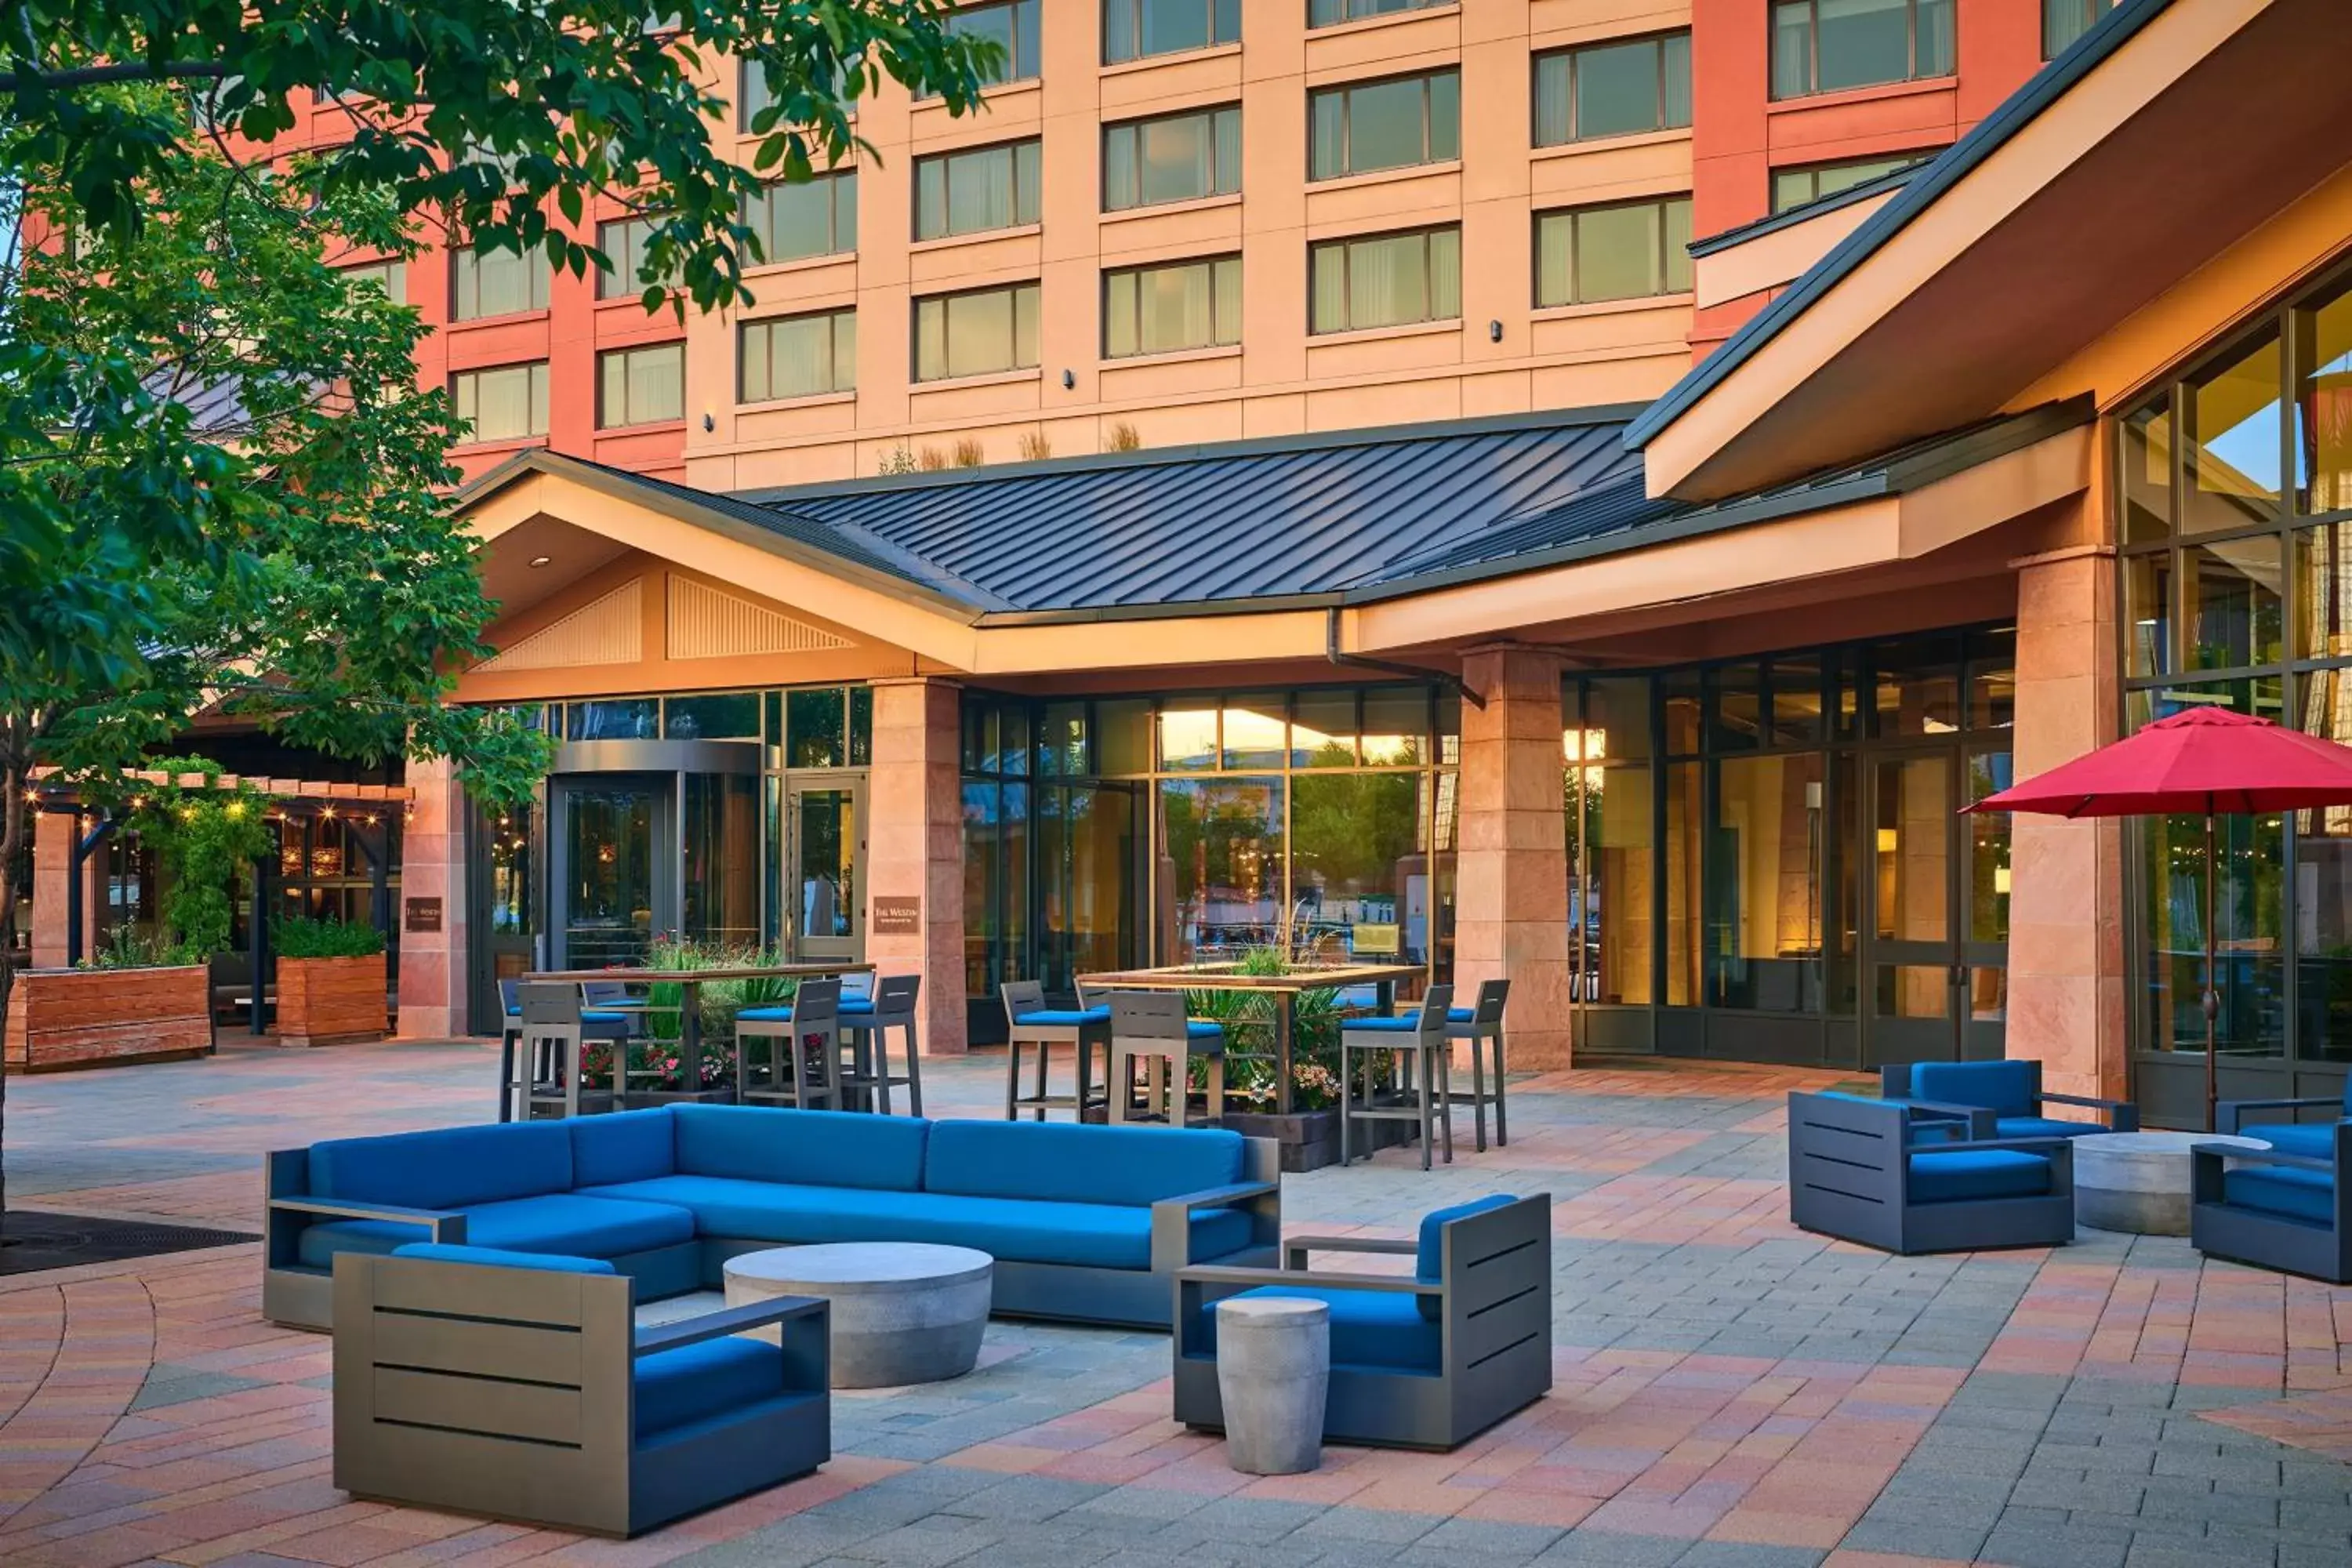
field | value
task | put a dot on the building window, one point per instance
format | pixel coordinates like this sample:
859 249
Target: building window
1394 124
1795 187
1612 90
1174 158
811 217
797 356
509 404
1630 251
978 332
1386 279
1828 46
1179 305
2064 21
625 243
1331 12
1011 26
640 386
1137 29
392 276
495 283
975 191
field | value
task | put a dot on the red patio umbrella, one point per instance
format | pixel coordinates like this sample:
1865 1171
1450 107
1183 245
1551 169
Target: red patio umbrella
2202 761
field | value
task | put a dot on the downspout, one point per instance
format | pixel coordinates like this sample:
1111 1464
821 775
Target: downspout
1388 666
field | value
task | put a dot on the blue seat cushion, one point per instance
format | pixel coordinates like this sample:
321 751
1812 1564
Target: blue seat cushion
624 1146
548 1262
1098 1235
2043 1127
2311 1140
2283 1190
1460 1014
587 1016
695 1383
562 1222
1401 1024
1065 1017
764 1016
1376 1331
814 1147
1965 1175
2006 1088
451 1168
1429 1260
1067 1161
856 1004
1202 1029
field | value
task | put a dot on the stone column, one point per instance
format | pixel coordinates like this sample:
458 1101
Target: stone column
1511 903
54 833
433 963
2066 990
914 849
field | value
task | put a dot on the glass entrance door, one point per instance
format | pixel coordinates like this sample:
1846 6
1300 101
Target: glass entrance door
823 903
609 837
1935 896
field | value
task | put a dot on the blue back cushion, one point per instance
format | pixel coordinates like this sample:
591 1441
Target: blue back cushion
1065 1161
805 1148
455 1167
548 1262
1429 1263
2006 1087
626 1146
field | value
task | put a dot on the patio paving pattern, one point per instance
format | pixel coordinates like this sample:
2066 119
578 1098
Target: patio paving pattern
1729 1392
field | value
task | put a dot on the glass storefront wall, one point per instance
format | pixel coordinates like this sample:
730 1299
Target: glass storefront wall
1765 858
2234 498
1105 833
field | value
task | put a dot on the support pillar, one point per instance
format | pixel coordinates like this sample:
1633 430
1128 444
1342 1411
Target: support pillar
2066 989
914 856
54 834
434 973
1511 906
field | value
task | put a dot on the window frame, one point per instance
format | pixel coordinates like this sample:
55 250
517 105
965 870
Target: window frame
1346 6
463 258
1110 275
605 421
1570 53
1214 113
1813 51
945 162
1014 290
1018 70
537 396
1345 92
1664 272
1428 272
834 218
1217 10
834 315
1836 165
392 267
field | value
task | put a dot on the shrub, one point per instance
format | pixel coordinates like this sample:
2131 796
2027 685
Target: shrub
301 937
127 947
1123 438
1035 445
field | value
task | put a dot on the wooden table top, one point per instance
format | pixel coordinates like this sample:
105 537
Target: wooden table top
697 976
1225 977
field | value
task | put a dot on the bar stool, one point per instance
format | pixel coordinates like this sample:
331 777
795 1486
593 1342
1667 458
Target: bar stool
811 1030
866 1025
594 1024
539 1071
1417 1037
1152 1024
1029 1022
1482 1026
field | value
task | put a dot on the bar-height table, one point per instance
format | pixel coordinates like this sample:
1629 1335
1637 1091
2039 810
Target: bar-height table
1283 989
691 983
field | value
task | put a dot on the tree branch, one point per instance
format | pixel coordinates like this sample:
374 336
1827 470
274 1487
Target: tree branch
73 77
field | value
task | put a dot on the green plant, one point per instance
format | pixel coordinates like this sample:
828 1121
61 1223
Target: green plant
302 937
1247 1017
205 837
720 1000
127 947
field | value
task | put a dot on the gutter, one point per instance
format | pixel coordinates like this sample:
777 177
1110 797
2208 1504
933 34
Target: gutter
1346 660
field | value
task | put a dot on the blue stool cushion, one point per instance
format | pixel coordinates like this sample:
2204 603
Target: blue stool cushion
1429 1262
1200 1029
764 1016
1408 1023
587 1016
856 1004
548 1262
2283 1190
2311 1140
1963 1175
1066 1018
1377 1330
1460 1014
694 1383
2006 1088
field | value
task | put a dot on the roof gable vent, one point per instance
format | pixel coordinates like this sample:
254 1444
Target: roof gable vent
606 630
710 623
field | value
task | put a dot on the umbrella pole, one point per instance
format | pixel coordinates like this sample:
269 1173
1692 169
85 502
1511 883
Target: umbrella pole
2213 981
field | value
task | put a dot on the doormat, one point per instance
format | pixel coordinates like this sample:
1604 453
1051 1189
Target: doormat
32 1241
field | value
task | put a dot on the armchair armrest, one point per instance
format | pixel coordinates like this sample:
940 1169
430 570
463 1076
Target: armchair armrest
1978 1119
2244 1156
1394 1284
1171 1218
2123 1116
724 1321
2226 1115
1295 1250
2024 1145
439 1221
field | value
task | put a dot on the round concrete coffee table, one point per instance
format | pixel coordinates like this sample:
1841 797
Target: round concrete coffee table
2138 1182
902 1312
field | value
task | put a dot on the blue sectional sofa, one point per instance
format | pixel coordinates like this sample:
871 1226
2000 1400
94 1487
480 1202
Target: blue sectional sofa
1086 1223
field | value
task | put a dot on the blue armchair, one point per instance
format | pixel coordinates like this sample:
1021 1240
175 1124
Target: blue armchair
2311 1140
2275 1208
2003 1099
1856 1170
515 1384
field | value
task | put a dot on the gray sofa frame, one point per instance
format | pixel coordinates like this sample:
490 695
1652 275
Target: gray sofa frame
1493 1292
512 1393
2292 1245
1894 1084
295 1295
1850 1177
2229 1117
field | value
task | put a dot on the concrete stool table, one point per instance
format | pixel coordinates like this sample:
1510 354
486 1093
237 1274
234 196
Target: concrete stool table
902 1312
1274 1371
2138 1182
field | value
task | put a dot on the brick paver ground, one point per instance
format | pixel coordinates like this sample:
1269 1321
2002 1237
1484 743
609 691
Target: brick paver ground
1730 1393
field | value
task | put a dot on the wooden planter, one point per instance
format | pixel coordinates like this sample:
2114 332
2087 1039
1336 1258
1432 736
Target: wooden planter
60 1018
330 1001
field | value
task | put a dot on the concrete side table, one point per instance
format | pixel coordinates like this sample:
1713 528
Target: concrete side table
902 1312
1274 1370
2138 1182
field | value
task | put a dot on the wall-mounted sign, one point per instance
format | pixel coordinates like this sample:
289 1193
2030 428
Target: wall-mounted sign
1377 939
424 915
897 917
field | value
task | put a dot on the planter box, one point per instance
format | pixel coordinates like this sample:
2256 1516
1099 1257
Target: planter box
1311 1139
330 1001
60 1018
